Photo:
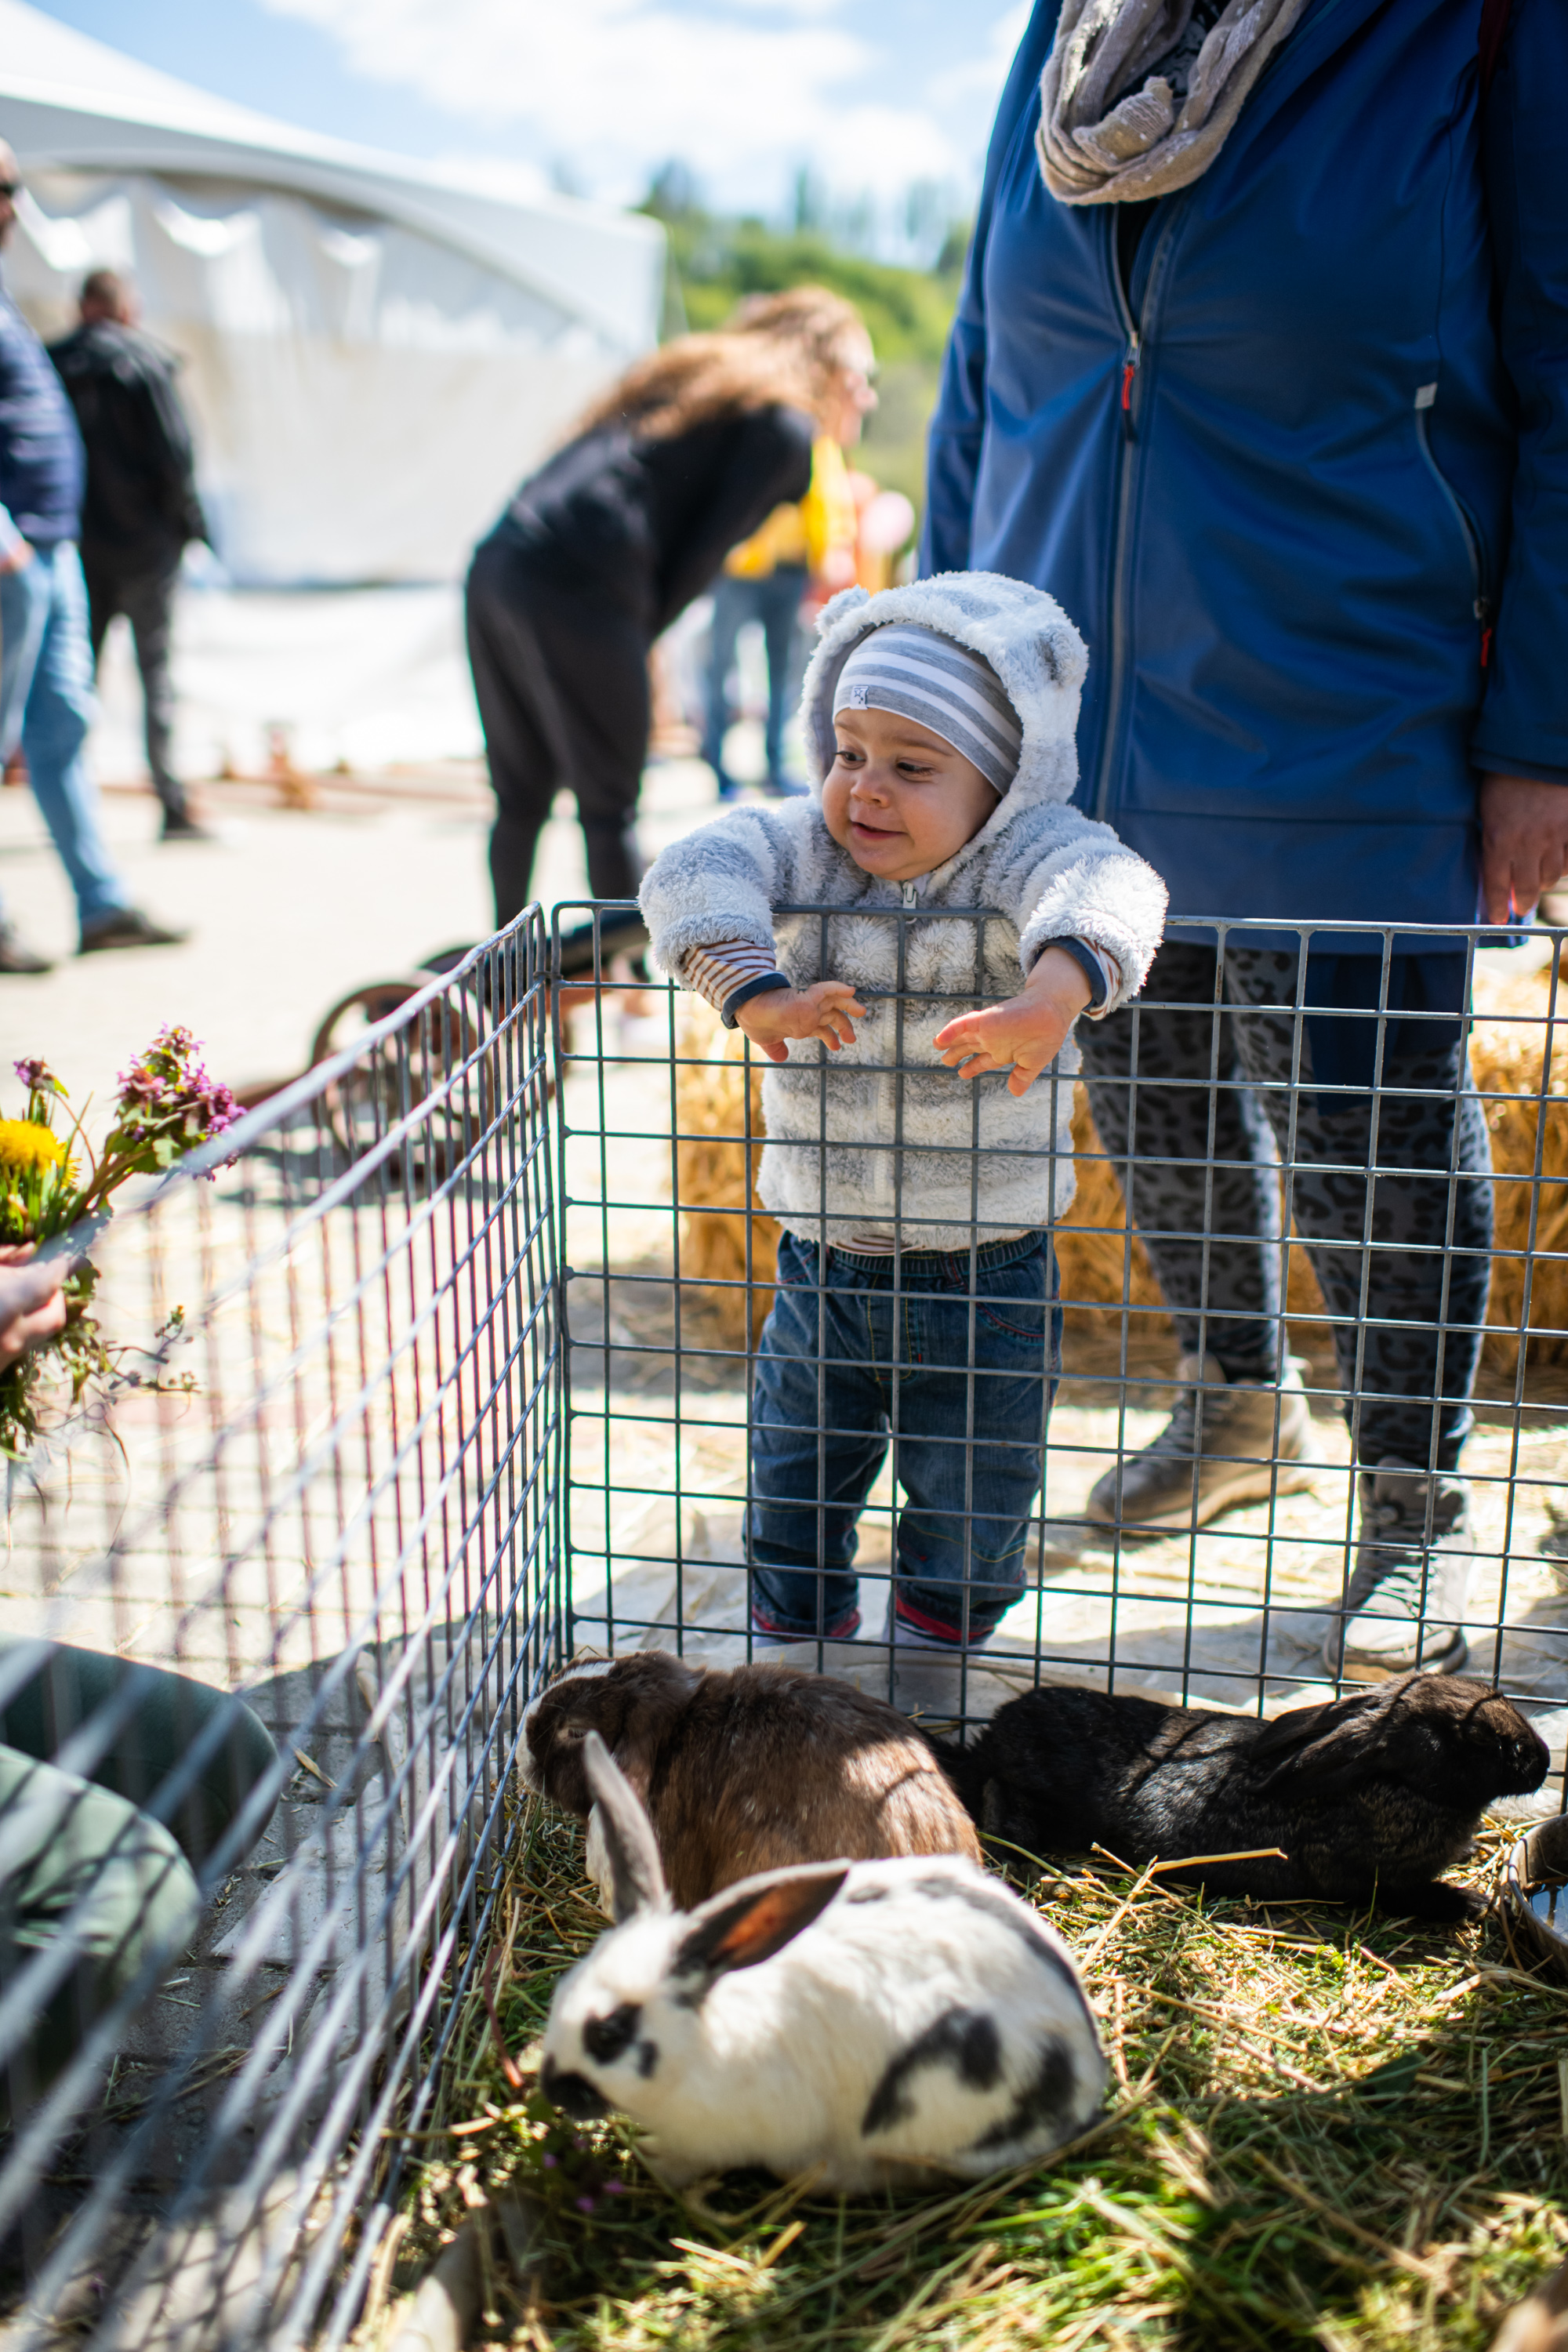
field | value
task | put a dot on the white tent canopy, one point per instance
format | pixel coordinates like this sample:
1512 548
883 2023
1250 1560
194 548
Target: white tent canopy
375 352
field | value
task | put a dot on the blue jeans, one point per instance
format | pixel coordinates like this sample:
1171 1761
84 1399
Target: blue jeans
776 603
47 705
838 1381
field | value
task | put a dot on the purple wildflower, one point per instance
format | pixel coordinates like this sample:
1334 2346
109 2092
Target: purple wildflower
139 1088
169 1093
585 2204
36 1075
215 1101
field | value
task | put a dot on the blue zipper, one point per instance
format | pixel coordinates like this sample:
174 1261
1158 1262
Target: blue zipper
1136 339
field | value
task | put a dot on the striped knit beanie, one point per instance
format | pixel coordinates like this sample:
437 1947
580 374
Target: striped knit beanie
933 679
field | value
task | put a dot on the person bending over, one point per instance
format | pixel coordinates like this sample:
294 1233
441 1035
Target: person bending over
606 545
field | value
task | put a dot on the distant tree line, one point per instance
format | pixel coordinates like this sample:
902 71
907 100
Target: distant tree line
717 258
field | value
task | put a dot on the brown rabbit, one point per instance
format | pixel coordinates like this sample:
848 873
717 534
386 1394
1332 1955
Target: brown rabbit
745 1770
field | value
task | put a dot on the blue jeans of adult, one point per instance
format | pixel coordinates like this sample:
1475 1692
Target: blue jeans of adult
47 705
775 601
957 1376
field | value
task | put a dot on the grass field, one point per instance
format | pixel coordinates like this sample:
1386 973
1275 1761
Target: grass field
1324 2131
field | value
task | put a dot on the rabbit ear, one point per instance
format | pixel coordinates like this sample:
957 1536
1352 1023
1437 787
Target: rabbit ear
751 1922
637 1875
1320 1750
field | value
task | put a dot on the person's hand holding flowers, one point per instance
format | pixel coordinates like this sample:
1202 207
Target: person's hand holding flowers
32 1304
167 1107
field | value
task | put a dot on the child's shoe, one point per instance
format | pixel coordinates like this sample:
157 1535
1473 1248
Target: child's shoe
909 1628
769 1635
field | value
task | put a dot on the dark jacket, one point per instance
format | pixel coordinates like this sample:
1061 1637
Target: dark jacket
40 449
140 508
647 523
1311 513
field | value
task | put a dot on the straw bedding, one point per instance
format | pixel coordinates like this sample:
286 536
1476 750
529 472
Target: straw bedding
1099 1267
1329 2131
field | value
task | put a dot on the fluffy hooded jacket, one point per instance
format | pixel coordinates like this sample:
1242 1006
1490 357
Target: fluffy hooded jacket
881 1133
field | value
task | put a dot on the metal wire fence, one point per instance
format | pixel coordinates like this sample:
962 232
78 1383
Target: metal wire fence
965 1428
476 1369
238 1928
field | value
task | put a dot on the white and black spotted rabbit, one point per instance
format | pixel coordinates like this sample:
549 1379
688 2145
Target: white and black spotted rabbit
871 2022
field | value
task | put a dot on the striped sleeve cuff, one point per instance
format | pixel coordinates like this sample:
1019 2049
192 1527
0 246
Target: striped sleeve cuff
1102 971
729 973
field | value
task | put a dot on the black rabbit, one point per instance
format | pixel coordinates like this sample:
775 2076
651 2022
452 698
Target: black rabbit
1371 1795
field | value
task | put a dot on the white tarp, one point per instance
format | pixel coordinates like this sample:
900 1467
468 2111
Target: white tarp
370 678
376 354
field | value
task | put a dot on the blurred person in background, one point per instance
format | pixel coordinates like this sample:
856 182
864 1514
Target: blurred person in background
807 544
884 526
46 662
603 548
140 511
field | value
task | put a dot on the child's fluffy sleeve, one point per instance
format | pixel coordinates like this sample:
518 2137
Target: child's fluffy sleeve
1062 875
722 883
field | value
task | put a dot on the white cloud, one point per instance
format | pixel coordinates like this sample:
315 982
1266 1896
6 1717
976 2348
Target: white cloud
615 87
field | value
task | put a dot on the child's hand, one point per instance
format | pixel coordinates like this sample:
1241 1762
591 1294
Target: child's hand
828 1010
1025 1034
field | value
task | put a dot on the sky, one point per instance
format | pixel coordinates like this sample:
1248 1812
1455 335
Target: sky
872 96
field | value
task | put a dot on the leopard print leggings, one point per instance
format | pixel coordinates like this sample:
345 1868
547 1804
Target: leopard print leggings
1192 1094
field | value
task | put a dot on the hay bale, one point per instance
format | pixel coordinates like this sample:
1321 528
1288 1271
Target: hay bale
716 1173
1509 1048
1094 1260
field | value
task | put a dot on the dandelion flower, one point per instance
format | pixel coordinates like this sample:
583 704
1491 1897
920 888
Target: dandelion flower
27 1149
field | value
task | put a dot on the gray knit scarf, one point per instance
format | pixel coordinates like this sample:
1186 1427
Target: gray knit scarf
1138 96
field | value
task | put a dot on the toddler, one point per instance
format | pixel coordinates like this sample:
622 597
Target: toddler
916 1297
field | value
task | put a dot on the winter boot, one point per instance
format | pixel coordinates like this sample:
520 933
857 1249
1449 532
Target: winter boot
1218 1448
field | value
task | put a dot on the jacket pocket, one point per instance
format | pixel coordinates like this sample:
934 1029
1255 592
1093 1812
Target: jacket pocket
1468 528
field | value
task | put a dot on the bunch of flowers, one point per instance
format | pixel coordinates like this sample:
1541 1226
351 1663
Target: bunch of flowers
166 1107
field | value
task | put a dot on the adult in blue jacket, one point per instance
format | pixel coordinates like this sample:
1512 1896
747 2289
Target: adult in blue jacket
1261 368
46 661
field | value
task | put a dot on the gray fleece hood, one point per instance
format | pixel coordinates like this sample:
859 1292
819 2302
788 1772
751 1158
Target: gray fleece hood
1034 648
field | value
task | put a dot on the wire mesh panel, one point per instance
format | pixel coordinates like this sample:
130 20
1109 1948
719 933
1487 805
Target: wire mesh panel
271 1610
1194 1406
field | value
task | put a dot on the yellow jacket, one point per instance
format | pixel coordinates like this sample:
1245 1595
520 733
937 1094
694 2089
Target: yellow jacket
823 521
